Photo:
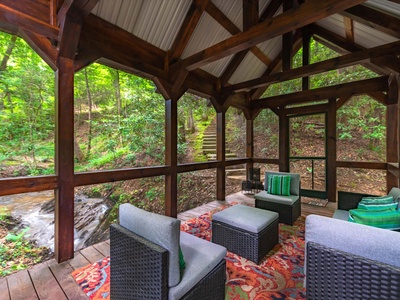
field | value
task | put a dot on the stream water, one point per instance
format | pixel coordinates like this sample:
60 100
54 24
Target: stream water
36 211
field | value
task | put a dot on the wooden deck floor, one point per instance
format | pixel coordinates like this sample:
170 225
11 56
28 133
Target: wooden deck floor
50 280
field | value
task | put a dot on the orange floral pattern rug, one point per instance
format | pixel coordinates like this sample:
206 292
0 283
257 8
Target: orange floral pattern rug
279 276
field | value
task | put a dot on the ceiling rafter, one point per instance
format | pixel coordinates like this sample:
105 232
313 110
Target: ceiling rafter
70 18
27 22
391 62
225 22
336 91
188 26
342 46
375 19
287 40
42 46
303 15
316 68
277 64
349 29
270 10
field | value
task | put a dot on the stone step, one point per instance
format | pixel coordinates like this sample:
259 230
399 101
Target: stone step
205 136
209 151
235 172
209 147
210 144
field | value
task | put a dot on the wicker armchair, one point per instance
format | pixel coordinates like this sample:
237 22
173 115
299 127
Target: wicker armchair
288 207
145 260
350 261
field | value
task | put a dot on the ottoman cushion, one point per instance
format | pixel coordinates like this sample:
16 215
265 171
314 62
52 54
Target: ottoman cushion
245 217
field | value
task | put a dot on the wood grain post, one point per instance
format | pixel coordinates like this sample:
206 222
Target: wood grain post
284 165
392 130
330 149
249 143
221 156
305 83
287 41
64 161
171 157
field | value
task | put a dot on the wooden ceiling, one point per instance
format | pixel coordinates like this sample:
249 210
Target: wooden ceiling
226 50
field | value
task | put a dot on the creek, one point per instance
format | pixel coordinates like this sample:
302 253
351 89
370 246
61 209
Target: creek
36 212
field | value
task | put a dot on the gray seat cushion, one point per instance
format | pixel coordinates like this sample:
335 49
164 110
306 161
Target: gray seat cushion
373 243
200 257
341 214
247 218
161 230
288 200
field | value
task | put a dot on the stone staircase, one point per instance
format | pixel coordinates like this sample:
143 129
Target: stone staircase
210 151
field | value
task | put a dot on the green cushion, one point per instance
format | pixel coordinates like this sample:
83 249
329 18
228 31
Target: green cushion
383 219
279 185
182 264
378 207
377 200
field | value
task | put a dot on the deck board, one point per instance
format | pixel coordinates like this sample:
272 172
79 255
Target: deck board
103 248
4 294
91 254
45 284
62 273
21 287
51 280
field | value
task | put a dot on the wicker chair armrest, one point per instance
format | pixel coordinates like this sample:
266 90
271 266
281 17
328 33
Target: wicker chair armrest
334 274
138 267
350 200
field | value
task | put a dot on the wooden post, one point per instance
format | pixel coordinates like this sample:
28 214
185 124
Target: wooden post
306 56
221 155
284 165
287 41
171 157
392 130
64 160
331 151
249 143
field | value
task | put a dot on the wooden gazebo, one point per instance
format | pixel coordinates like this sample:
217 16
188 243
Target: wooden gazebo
226 51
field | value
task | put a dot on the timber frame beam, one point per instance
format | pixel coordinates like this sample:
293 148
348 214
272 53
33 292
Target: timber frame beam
68 37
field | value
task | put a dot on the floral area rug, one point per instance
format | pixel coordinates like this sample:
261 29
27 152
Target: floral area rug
279 276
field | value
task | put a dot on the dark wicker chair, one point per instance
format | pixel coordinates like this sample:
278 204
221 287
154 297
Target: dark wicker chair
141 269
288 207
146 277
350 261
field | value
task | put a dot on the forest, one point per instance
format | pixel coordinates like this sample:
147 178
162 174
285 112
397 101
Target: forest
119 123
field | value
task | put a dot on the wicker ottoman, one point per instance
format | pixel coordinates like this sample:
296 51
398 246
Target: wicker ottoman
247 231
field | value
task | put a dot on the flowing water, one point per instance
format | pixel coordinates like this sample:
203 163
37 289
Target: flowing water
36 211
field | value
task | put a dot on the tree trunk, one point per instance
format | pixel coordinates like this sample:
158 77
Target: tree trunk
190 122
3 67
7 55
77 150
117 92
90 104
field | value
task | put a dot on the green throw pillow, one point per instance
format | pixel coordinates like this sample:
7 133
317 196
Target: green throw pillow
382 219
377 200
378 207
279 184
182 264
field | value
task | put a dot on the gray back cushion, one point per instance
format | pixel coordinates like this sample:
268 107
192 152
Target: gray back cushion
395 192
161 230
367 241
294 181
